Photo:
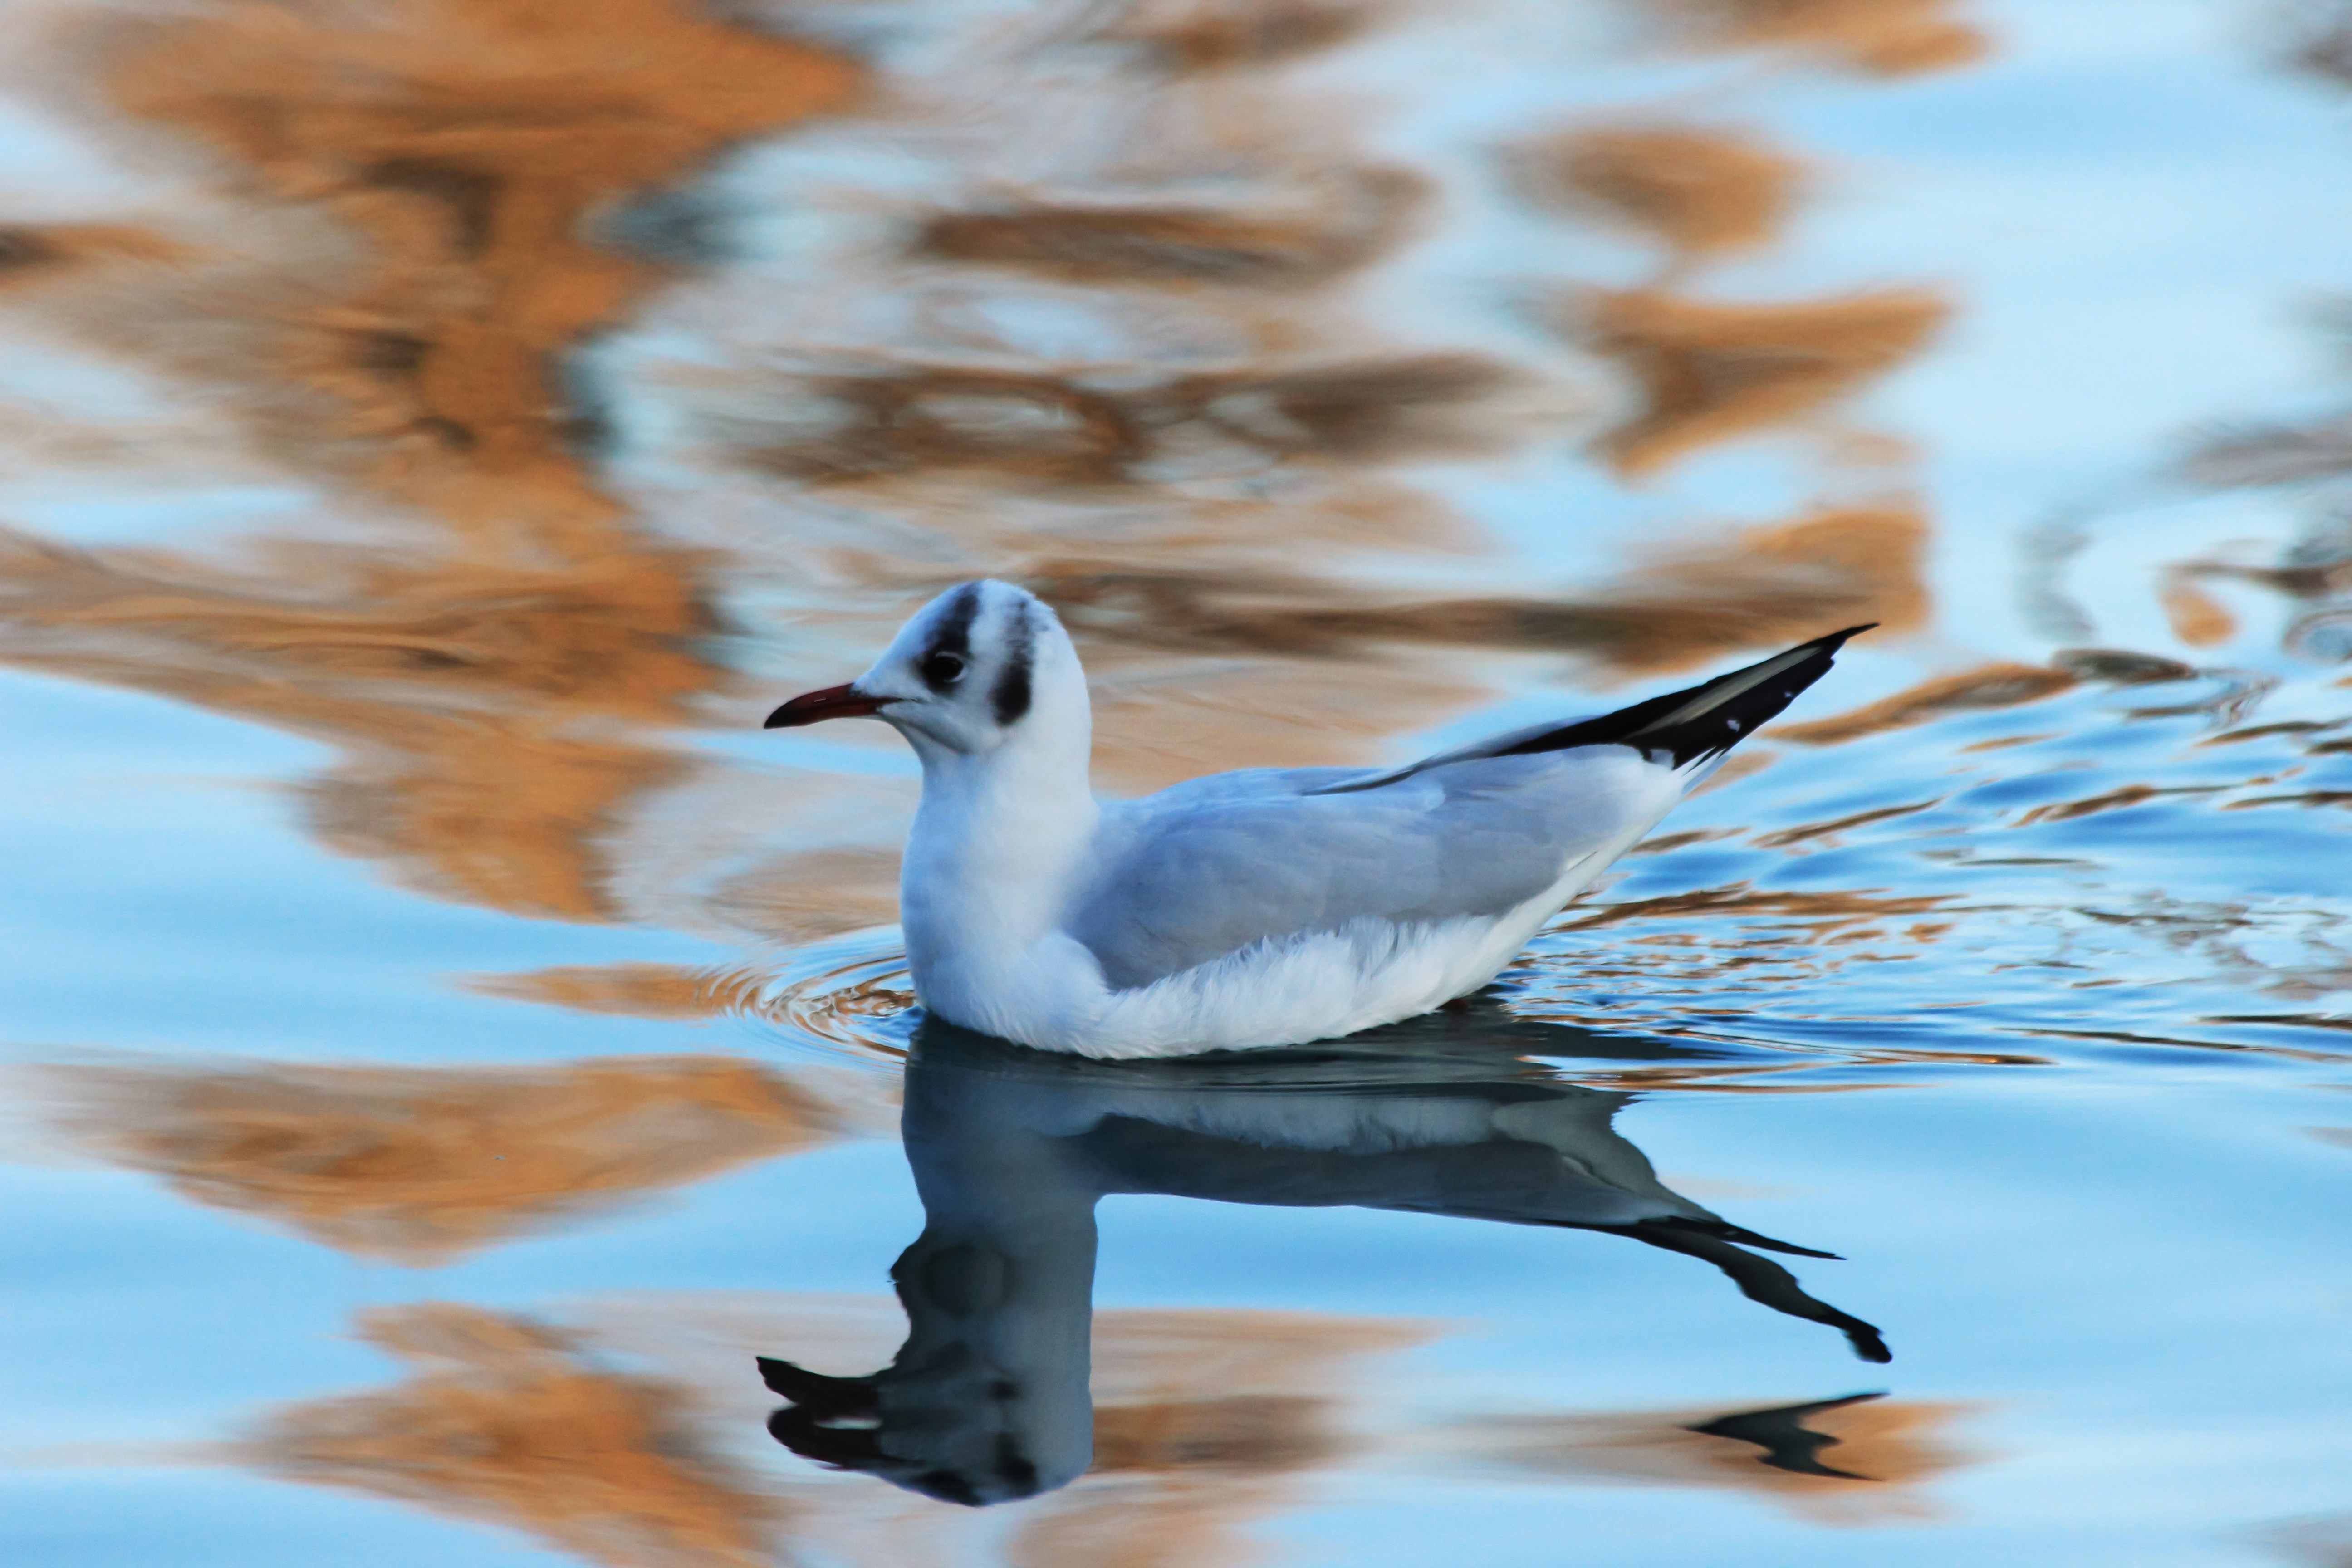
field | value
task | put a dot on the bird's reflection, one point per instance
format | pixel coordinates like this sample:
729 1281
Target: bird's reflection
987 1401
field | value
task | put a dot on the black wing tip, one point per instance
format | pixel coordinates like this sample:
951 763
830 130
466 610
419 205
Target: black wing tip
1836 640
1724 1230
1639 726
1718 725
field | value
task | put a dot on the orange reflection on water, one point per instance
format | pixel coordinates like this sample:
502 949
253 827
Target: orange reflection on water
1768 583
1702 192
1301 237
1999 685
460 690
1216 35
503 1422
421 176
1710 371
1054 428
531 1425
1825 912
30 253
1883 37
419 1165
1207 1420
629 990
464 142
2197 618
1873 1470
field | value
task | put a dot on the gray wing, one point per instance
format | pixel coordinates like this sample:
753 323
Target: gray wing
1210 867
1203 870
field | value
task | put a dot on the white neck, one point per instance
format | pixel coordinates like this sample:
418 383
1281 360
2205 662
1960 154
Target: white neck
996 842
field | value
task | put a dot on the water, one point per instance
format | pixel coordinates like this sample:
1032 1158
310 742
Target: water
450 1041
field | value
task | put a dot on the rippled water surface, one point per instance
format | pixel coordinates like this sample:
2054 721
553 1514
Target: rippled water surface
449 1041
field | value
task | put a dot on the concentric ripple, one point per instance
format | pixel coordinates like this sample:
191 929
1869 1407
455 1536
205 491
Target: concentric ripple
851 997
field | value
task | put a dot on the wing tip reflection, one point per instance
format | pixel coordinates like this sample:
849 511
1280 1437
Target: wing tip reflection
1788 1443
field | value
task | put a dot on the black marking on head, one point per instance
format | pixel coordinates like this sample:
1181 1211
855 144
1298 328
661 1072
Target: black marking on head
951 639
1004 1388
1011 697
1707 728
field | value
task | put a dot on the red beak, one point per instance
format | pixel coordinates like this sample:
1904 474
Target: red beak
833 702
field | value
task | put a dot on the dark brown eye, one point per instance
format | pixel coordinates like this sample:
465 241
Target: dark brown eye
941 670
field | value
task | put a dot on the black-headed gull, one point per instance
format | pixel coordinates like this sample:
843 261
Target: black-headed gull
1265 907
987 1400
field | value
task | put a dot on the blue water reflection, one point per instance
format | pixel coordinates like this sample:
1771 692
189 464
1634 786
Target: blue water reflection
1012 1148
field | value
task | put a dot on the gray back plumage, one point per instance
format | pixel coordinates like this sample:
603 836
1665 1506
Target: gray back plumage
1216 866
1210 867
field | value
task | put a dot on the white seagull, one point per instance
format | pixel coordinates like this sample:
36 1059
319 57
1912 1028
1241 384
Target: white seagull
1267 907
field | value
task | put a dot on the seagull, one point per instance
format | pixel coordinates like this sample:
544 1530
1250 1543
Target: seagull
1265 907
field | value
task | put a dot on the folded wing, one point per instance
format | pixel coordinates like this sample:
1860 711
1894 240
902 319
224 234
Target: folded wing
1185 884
1212 868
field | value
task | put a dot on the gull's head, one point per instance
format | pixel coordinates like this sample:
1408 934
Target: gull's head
984 664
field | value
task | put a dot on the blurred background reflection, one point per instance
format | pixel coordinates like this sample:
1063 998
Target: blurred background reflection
439 430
